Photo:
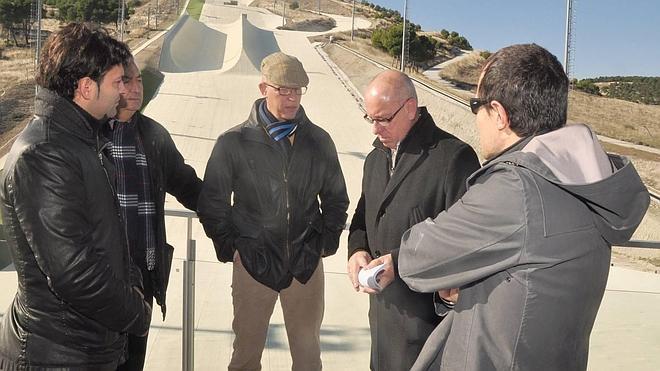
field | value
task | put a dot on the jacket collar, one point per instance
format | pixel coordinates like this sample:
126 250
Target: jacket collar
414 141
254 128
66 115
413 149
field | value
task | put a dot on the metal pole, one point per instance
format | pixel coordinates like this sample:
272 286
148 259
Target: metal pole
38 52
568 37
157 10
188 346
283 13
353 21
403 40
121 20
319 5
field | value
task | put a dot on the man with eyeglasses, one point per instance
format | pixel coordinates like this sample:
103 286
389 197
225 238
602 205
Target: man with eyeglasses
529 243
415 171
274 202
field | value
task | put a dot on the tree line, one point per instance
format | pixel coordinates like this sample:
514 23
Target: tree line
639 89
15 15
421 48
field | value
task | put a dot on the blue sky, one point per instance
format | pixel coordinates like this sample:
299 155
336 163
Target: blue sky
612 37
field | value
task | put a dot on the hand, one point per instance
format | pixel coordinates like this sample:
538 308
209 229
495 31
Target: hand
386 276
237 258
357 261
450 295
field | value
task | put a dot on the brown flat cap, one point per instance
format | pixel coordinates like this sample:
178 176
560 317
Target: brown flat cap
284 70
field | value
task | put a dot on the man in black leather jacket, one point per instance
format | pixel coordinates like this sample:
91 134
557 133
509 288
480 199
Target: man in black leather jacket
78 291
277 165
164 171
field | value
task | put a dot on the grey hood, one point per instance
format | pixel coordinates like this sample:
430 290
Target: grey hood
572 158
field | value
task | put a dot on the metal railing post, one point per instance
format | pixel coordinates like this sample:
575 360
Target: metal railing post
188 343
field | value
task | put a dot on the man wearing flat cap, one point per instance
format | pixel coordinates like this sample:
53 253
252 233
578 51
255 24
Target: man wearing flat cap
274 203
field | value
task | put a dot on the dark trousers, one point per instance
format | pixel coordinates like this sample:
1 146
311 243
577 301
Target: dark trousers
137 345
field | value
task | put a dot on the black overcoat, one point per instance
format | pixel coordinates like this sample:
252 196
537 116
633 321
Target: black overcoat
429 176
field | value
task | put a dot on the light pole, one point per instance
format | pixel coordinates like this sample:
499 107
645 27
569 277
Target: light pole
39 5
403 40
121 20
569 38
353 21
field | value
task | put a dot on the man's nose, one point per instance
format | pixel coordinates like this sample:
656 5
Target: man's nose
376 128
122 88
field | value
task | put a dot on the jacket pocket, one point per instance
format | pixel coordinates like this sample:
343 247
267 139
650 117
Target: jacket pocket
308 251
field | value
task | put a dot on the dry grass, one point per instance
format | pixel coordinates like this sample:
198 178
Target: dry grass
360 72
17 66
631 122
465 71
327 6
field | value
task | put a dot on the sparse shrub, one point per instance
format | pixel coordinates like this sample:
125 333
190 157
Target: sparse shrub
294 5
587 86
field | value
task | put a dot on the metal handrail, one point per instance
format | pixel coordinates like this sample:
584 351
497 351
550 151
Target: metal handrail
188 332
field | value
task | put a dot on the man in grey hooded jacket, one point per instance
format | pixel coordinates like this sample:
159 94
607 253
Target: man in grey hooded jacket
529 242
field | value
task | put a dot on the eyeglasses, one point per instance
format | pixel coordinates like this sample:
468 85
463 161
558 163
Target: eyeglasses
476 103
288 91
387 121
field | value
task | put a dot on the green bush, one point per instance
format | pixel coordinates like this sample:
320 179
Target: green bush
586 86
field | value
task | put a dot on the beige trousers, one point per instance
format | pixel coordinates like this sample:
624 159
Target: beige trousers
302 306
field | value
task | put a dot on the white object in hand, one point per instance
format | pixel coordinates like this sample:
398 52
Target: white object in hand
369 277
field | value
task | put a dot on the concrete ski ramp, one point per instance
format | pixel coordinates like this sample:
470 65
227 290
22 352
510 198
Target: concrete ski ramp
237 47
192 46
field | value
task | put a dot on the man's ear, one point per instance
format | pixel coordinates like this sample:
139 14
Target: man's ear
262 88
86 88
411 108
502 115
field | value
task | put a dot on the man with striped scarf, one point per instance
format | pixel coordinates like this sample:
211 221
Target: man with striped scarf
147 164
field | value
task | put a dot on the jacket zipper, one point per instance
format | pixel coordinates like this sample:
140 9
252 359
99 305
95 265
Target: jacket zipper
288 216
117 207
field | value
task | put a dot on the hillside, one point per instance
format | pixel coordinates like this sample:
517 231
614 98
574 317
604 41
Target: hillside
638 89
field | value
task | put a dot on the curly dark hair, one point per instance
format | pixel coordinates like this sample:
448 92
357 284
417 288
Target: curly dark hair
531 85
78 50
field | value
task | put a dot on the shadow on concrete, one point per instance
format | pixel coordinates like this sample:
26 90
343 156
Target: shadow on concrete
359 155
333 338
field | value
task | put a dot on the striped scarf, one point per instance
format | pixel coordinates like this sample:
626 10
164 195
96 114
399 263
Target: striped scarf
277 130
136 205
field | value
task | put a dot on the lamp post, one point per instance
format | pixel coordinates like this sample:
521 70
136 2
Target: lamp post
353 21
403 40
38 52
569 38
121 19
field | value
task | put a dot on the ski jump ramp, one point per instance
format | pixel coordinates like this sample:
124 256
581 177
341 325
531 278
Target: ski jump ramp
191 46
